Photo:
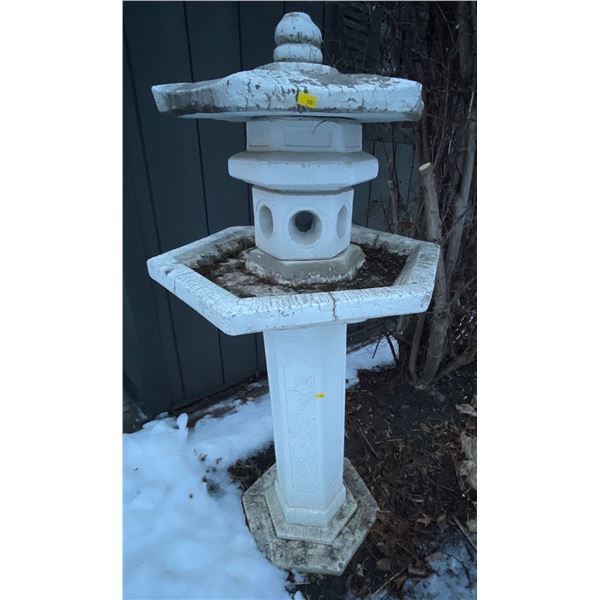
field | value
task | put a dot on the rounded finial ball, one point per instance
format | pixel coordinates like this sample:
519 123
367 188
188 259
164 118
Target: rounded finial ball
297 28
298 39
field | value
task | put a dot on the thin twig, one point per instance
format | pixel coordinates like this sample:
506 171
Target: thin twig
387 582
439 485
364 437
464 532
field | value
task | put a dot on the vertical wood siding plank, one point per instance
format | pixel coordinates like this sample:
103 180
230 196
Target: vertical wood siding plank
141 328
147 301
360 207
258 22
158 46
213 30
313 9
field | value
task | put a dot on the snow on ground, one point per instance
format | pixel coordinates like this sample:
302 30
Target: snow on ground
454 577
184 530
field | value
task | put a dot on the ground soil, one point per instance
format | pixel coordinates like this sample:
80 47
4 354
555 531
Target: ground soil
381 268
406 445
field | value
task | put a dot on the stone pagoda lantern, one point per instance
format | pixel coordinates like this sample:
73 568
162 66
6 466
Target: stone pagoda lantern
300 275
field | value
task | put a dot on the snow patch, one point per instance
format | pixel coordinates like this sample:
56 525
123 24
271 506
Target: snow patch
454 577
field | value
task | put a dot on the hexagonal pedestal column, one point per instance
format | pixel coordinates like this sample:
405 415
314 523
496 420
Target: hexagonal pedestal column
300 512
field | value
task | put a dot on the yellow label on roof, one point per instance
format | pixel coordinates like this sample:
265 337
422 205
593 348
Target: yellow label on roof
320 395
305 99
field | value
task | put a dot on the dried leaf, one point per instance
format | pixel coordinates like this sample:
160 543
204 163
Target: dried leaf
384 564
468 468
472 525
417 572
425 428
433 557
425 520
469 446
466 409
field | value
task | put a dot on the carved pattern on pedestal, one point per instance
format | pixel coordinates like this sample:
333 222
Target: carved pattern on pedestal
299 386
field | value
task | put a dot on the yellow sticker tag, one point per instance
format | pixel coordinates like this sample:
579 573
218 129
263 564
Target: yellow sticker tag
305 99
320 395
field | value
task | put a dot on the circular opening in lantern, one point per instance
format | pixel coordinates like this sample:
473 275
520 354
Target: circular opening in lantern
265 221
305 227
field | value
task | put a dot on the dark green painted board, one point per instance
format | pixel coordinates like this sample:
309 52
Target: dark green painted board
213 29
379 211
157 42
257 29
140 241
226 198
313 9
360 205
141 332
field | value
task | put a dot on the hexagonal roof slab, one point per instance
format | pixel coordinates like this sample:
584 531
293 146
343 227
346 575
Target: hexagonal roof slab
410 292
296 84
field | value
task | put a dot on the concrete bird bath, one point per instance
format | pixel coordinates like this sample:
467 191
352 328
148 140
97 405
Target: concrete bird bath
300 276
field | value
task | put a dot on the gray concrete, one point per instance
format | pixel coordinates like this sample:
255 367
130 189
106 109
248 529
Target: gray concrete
340 268
289 531
305 556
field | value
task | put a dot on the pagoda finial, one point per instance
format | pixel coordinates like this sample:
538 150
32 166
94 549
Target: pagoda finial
297 39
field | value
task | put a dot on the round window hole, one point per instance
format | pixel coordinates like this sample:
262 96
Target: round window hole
265 221
304 221
342 221
305 227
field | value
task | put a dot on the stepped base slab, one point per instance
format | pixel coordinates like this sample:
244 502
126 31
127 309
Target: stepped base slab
330 558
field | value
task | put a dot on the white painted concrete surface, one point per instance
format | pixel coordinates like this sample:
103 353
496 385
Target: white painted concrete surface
306 370
302 171
411 292
277 88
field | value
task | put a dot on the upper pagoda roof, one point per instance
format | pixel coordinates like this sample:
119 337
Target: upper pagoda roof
296 84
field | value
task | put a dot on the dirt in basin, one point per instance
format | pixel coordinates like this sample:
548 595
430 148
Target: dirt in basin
380 269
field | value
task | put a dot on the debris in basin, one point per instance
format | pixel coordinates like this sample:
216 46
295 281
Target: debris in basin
381 268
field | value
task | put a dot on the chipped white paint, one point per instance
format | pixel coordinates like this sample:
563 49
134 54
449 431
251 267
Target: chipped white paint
410 293
270 91
303 134
302 162
303 171
297 28
274 89
302 226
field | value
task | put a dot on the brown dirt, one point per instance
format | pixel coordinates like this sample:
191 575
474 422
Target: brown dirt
381 268
405 443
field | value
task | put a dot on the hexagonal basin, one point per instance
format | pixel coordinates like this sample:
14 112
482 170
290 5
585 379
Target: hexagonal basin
380 269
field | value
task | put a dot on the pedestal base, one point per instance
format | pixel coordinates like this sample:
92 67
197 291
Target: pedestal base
329 557
339 269
307 533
